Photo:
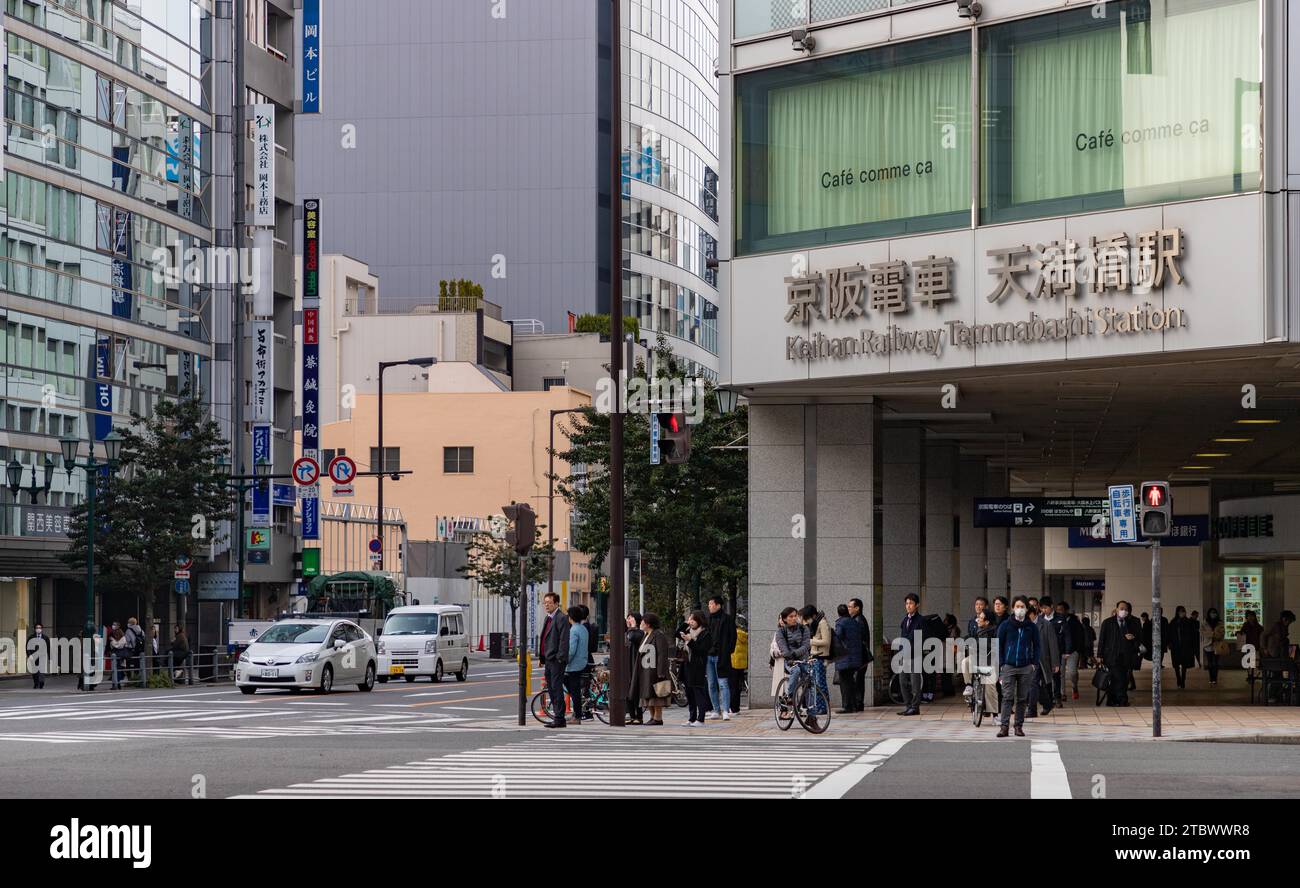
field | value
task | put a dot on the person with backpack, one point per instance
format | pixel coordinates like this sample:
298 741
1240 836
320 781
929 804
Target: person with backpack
722 641
848 665
136 640
1018 656
860 681
912 632
1073 645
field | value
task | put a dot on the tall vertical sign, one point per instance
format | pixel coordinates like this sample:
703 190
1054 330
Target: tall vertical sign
185 166
262 492
311 359
264 165
103 387
311 56
263 371
120 273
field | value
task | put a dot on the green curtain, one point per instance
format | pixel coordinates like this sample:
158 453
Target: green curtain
880 119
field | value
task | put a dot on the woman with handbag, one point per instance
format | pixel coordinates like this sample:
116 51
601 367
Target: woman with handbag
1212 644
696 642
650 677
631 641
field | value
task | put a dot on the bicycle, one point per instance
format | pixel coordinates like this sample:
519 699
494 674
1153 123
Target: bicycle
596 702
974 694
803 705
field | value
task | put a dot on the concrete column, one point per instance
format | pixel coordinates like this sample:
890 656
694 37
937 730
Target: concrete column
996 485
940 554
1025 561
973 548
778 530
845 486
902 564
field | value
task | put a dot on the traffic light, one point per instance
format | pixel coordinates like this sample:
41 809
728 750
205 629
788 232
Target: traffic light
523 527
674 437
1157 509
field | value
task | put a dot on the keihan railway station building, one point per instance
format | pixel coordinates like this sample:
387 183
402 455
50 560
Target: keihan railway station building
1027 255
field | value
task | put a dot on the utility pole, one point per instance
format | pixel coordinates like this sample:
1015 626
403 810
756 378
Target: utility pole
617 626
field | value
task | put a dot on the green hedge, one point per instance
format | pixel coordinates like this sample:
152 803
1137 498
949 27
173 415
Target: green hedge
599 323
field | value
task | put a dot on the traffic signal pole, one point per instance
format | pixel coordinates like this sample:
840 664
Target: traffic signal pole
521 648
618 661
1155 638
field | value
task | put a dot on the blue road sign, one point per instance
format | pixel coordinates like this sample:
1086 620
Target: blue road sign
1123 521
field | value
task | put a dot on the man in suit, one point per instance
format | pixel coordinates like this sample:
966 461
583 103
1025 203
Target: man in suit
1117 649
553 651
911 629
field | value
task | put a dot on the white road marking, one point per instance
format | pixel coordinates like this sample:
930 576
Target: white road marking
469 709
1047 778
836 784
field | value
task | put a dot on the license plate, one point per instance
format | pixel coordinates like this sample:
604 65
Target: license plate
396 670
270 673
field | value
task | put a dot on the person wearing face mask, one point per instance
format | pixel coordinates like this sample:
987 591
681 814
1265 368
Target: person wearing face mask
1118 651
1019 654
39 651
1213 644
1183 640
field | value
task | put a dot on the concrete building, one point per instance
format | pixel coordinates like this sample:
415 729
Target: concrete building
578 360
507 183
1095 286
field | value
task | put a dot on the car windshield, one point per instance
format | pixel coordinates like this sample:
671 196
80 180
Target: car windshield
294 633
411 624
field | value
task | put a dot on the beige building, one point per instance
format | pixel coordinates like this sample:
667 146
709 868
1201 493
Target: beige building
470 451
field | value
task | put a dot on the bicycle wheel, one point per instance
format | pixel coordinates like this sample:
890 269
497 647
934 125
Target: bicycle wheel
896 689
541 706
782 707
599 704
814 705
978 717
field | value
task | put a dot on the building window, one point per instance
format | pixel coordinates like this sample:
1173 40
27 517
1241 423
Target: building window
1149 103
392 459
863 145
458 460
549 381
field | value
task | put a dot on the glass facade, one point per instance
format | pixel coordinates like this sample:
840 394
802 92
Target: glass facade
69 253
1152 102
756 17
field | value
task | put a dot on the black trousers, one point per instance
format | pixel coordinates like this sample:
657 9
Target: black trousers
698 703
1180 673
860 685
1119 679
737 678
555 685
574 684
1211 661
850 693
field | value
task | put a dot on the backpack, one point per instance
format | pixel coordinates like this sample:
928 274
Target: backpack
137 640
933 627
837 647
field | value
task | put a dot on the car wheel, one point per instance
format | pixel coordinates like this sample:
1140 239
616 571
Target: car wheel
410 678
247 689
369 683
437 672
464 671
327 679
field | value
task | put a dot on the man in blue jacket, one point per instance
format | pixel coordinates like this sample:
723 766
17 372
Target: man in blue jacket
1018 654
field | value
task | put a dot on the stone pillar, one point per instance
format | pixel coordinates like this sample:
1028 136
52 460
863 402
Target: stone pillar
973 549
1025 561
902 565
778 530
845 486
940 555
996 485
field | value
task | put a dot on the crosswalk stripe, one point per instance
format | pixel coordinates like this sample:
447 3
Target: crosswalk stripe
836 784
1047 777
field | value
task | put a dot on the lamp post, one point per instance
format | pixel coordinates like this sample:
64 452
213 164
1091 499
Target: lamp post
240 484
382 468
550 503
112 451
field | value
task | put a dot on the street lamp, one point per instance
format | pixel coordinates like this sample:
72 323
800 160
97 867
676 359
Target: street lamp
382 468
727 399
112 451
14 475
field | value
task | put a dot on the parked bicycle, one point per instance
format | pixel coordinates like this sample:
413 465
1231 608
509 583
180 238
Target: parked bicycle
596 702
805 704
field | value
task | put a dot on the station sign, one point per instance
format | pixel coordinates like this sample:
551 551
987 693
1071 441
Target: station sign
1038 511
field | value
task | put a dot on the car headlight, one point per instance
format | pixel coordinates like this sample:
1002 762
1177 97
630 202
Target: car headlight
380 646
431 645
309 658
243 657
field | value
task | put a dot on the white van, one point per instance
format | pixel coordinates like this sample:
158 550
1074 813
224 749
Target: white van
424 639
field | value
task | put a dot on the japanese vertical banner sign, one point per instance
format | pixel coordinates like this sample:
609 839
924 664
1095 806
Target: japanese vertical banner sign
311 56
264 165
262 492
311 356
263 371
103 403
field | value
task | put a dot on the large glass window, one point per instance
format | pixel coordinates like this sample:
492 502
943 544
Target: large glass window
863 145
1156 100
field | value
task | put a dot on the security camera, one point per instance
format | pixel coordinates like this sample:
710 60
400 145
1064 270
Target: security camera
803 41
969 9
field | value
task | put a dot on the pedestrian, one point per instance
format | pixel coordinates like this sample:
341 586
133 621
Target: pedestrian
180 651
1049 658
39 653
1196 622
848 666
860 680
1213 644
632 639
1277 641
979 683
1183 642
1047 612
553 652
722 641
820 644
1118 651
911 631
1148 640
739 662
793 643
695 674
1073 647
999 610
575 664
972 627
1018 656
119 648
1251 633
650 676
1089 641
593 647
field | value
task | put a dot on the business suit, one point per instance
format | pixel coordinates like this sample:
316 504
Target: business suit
1120 654
553 651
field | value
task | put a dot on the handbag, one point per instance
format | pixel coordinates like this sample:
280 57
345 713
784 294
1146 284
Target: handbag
663 688
1101 678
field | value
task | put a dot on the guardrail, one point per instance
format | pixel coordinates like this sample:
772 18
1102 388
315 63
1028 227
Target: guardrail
168 670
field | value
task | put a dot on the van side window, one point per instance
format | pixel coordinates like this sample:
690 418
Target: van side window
455 625
446 626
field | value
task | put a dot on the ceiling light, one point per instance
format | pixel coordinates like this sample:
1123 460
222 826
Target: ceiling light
1211 455
1258 421
1197 467
1233 440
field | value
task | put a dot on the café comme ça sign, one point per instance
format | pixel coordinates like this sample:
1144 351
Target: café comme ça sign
1050 276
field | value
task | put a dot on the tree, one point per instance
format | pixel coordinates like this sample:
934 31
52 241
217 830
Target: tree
166 500
691 518
495 565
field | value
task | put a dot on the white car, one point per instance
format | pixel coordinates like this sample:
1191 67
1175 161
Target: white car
424 639
298 653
